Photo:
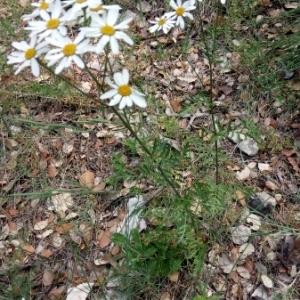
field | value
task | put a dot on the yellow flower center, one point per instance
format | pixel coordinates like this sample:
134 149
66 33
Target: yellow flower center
124 90
161 22
180 11
96 9
44 6
52 23
69 49
80 1
108 30
30 53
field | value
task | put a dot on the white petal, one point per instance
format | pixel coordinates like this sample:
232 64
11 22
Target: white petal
114 45
118 78
173 4
23 66
33 41
53 42
56 10
62 30
109 94
180 21
123 25
112 16
44 15
153 28
115 100
179 3
189 15
170 14
128 101
79 37
138 100
22 46
125 74
35 68
78 61
82 47
109 82
54 57
102 43
123 36
61 65
123 102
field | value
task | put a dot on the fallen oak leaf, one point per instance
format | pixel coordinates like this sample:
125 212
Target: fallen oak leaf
87 179
64 228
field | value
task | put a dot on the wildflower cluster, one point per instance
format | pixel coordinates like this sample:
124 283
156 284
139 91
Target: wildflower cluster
48 33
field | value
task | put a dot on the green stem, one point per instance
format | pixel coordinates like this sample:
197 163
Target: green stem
210 56
123 118
9 132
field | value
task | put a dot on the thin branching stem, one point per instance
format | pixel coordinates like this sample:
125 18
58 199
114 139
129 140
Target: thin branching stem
210 56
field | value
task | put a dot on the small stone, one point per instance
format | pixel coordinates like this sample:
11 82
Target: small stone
252 165
244 174
254 221
267 281
245 250
271 256
260 293
271 185
266 199
243 272
264 167
85 134
240 234
236 136
248 146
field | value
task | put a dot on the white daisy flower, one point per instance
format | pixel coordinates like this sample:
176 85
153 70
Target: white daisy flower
163 23
27 54
77 7
42 5
122 93
181 10
50 25
223 2
105 28
96 7
67 51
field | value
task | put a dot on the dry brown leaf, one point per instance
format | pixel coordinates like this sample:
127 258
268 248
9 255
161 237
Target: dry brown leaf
23 3
240 197
165 296
64 228
87 179
287 152
234 276
99 187
28 248
262 107
294 163
52 171
176 106
13 228
111 140
57 292
41 225
46 253
105 240
48 277
13 212
173 276
271 185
